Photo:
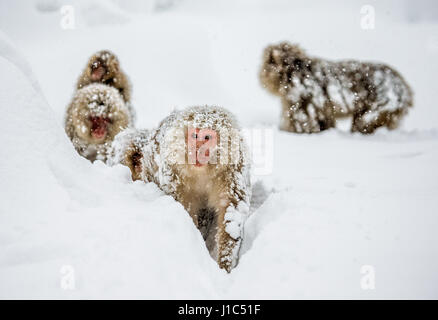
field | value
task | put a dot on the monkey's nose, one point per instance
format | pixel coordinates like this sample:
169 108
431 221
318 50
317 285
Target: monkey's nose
98 73
98 132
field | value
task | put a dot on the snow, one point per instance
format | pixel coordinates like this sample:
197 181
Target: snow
333 202
96 94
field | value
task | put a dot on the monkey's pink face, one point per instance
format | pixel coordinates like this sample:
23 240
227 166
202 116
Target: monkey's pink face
199 144
99 127
98 70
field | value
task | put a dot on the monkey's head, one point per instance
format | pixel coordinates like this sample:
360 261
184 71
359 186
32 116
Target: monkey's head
103 67
127 149
280 63
98 114
201 139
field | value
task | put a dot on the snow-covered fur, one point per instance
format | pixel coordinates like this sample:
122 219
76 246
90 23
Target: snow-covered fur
315 92
217 194
104 67
96 101
127 149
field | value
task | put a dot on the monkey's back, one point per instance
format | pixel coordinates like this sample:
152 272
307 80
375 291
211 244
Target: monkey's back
349 85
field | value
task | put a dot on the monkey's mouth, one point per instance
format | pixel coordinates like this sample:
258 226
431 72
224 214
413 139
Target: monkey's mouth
97 72
202 160
99 127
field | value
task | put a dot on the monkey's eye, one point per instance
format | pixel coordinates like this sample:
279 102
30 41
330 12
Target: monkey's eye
207 137
194 135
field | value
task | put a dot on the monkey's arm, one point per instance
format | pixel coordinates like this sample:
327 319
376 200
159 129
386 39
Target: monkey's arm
231 218
229 237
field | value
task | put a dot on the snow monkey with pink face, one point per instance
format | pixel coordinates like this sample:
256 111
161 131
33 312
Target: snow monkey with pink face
100 108
104 67
199 156
95 116
315 92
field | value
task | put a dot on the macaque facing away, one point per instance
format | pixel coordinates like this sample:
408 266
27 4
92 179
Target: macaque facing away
127 149
104 67
94 117
198 156
316 92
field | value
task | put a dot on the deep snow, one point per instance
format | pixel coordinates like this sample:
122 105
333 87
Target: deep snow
333 202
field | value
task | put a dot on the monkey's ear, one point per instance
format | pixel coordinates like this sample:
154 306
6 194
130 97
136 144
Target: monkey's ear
275 56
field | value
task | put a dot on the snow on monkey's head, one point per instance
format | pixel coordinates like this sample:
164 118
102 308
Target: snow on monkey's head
103 66
98 114
280 63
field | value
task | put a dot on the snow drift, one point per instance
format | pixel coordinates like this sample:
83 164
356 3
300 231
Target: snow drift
86 216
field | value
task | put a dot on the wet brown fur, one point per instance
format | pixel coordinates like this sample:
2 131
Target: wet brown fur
114 75
127 149
315 92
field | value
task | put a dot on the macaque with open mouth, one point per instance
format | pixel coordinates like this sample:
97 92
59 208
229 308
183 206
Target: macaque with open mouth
198 155
94 117
104 67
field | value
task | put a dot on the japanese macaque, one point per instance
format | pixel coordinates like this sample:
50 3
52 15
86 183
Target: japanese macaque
199 156
127 149
316 92
94 117
104 67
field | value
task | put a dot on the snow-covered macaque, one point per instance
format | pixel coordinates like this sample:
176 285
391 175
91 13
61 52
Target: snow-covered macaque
127 149
104 67
198 155
315 92
94 117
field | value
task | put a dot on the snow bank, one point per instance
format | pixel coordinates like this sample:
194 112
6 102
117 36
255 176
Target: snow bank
58 210
347 202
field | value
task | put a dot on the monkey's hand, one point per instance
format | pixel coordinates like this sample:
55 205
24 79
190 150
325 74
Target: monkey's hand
229 236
